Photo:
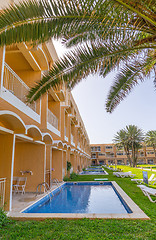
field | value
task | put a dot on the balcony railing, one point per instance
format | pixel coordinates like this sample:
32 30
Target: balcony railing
72 140
52 119
2 191
15 85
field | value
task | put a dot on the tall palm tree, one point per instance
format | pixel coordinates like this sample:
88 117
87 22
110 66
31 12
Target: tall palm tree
104 35
121 140
135 137
150 140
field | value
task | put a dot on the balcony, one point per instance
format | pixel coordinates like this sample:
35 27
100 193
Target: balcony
78 146
95 149
16 86
65 134
72 140
52 119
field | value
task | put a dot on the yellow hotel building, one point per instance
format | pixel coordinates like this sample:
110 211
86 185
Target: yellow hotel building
110 154
36 140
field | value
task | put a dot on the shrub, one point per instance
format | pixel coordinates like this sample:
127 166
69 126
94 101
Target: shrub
66 178
73 175
4 220
68 166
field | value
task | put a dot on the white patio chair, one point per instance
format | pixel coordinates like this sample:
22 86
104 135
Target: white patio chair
150 180
15 184
147 191
22 184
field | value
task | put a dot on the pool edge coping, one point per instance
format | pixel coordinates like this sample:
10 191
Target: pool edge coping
137 213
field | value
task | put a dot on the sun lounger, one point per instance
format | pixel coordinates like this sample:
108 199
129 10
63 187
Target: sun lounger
147 191
100 179
150 180
124 174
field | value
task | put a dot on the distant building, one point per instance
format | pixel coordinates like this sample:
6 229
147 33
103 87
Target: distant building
110 154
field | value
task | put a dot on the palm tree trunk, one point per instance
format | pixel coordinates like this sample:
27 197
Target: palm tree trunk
134 157
154 152
129 158
126 149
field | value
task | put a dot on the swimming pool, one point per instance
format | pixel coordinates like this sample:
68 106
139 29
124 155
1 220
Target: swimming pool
83 198
26 214
94 171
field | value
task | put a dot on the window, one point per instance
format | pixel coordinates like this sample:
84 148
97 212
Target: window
93 155
109 147
99 149
150 152
150 161
119 154
101 154
96 149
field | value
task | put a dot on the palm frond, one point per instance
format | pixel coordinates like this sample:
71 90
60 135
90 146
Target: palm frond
44 19
51 18
112 30
129 76
81 62
40 20
143 9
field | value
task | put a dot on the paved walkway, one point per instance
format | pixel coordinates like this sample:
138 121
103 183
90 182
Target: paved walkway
148 169
22 201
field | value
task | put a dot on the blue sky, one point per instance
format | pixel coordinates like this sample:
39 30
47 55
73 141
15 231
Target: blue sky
138 108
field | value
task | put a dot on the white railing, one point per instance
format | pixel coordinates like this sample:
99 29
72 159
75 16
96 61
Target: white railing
78 147
52 119
2 191
72 138
15 85
65 131
65 134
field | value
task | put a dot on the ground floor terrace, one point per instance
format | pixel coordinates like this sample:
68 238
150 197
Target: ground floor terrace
91 228
29 157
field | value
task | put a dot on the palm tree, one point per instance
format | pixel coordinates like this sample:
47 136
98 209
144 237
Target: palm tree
121 140
135 138
150 140
104 35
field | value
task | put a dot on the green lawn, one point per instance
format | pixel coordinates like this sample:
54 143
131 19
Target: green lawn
90 229
147 166
136 171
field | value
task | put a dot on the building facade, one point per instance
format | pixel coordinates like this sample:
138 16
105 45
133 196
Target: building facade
110 154
36 140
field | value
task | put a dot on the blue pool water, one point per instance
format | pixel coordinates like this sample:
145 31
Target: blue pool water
94 171
83 198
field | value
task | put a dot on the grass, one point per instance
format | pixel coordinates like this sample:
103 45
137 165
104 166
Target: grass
89 229
136 171
147 166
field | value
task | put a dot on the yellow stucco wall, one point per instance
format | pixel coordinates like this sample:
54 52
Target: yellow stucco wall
6 157
30 156
57 164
